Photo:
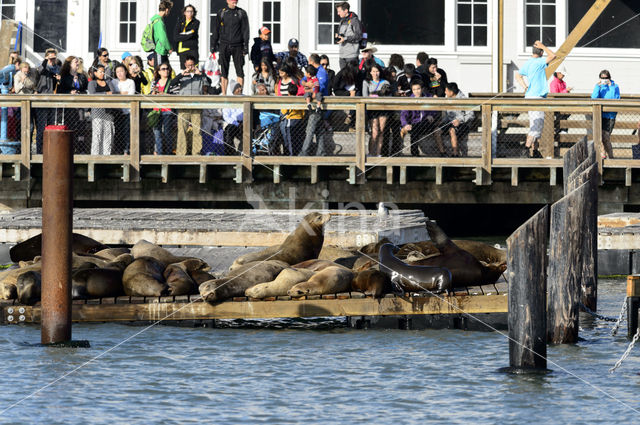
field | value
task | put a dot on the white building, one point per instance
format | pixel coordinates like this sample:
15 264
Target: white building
462 34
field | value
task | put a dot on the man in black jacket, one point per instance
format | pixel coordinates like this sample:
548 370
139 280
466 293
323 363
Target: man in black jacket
48 80
262 48
230 38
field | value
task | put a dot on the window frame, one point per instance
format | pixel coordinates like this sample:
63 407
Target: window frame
128 22
271 23
13 5
489 12
561 27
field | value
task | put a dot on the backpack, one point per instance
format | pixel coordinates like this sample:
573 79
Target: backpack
147 42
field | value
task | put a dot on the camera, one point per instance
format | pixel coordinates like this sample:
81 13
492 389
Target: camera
338 36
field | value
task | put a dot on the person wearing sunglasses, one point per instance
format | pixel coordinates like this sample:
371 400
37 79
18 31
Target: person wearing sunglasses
606 88
48 81
186 34
164 121
102 58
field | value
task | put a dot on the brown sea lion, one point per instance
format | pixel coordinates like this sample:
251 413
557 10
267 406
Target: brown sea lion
285 280
120 263
372 249
365 262
371 282
240 279
315 265
93 283
112 253
178 278
255 256
465 269
304 243
9 279
201 276
332 253
331 280
32 247
147 249
29 287
143 278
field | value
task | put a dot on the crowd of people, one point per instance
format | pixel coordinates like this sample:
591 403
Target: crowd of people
307 131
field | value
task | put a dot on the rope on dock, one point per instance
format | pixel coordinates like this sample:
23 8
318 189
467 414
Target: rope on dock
627 352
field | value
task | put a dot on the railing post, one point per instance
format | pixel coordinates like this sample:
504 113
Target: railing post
361 139
25 139
134 144
487 158
597 136
547 140
247 127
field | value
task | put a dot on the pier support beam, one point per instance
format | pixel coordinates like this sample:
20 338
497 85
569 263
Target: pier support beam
633 304
57 215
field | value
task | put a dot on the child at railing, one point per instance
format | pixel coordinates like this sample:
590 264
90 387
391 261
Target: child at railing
312 89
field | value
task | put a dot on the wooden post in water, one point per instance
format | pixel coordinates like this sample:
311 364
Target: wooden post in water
633 304
572 159
567 243
526 271
589 279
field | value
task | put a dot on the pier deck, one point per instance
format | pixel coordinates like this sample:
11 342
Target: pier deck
473 300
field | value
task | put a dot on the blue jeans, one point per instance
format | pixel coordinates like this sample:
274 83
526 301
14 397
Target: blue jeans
164 132
287 127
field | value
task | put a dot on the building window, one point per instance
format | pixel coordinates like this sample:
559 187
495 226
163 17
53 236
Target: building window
421 23
472 23
271 19
328 21
127 21
8 9
215 6
50 24
619 15
540 18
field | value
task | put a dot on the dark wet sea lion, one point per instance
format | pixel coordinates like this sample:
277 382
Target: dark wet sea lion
95 283
285 280
465 269
371 282
240 279
201 276
372 249
29 287
304 243
179 281
412 277
143 278
32 247
331 280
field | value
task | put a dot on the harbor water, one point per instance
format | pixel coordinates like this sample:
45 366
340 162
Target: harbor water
314 371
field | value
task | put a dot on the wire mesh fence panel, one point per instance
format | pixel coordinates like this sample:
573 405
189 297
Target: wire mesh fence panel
621 129
303 132
10 129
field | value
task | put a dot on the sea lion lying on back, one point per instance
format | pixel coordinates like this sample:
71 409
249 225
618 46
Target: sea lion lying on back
32 247
305 243
409 277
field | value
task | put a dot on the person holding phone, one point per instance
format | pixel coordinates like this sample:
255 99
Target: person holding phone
606 88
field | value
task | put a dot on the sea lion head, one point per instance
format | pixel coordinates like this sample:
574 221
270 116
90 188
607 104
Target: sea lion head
29 288
8 292
314 223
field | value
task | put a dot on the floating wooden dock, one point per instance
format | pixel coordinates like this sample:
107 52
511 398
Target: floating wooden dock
473 300
189 227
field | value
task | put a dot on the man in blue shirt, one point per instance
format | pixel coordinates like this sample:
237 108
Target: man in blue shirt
535 71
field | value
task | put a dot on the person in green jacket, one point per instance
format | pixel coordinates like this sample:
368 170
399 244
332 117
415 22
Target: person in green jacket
163 47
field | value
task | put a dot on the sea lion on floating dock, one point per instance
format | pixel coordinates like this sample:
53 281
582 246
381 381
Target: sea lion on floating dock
178 278
112 253
29 286
93 283
316 265
304 243
144 278
465 269
332 253
331 280
144 248
240 279
120 263
416 278
285 280
9 280
32 247
371 282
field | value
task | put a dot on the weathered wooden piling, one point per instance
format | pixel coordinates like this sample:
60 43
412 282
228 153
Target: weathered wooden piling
567 242
633 304
526 270
57 215
572 159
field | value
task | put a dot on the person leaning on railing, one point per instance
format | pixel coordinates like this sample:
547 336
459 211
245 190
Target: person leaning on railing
72 81
606 88
102 125
48 80
457 121
122 117
420 124
162 120
375 86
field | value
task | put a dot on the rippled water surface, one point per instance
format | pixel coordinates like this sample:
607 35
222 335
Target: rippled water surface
314 371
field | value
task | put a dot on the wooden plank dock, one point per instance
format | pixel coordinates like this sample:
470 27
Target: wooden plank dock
474 300
190 227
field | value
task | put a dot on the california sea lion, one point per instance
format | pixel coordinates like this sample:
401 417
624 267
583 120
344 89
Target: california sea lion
92 283
316 265
374 247
9 279
32 247
365 262
332 253
465 269
147 249
371 282
112 253
411 277
29 286
331 280
143 278
304 243
240 279
178 278
120 263
285 280
254 256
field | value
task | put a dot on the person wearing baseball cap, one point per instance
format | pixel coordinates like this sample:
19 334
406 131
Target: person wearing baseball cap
262 48
293 52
